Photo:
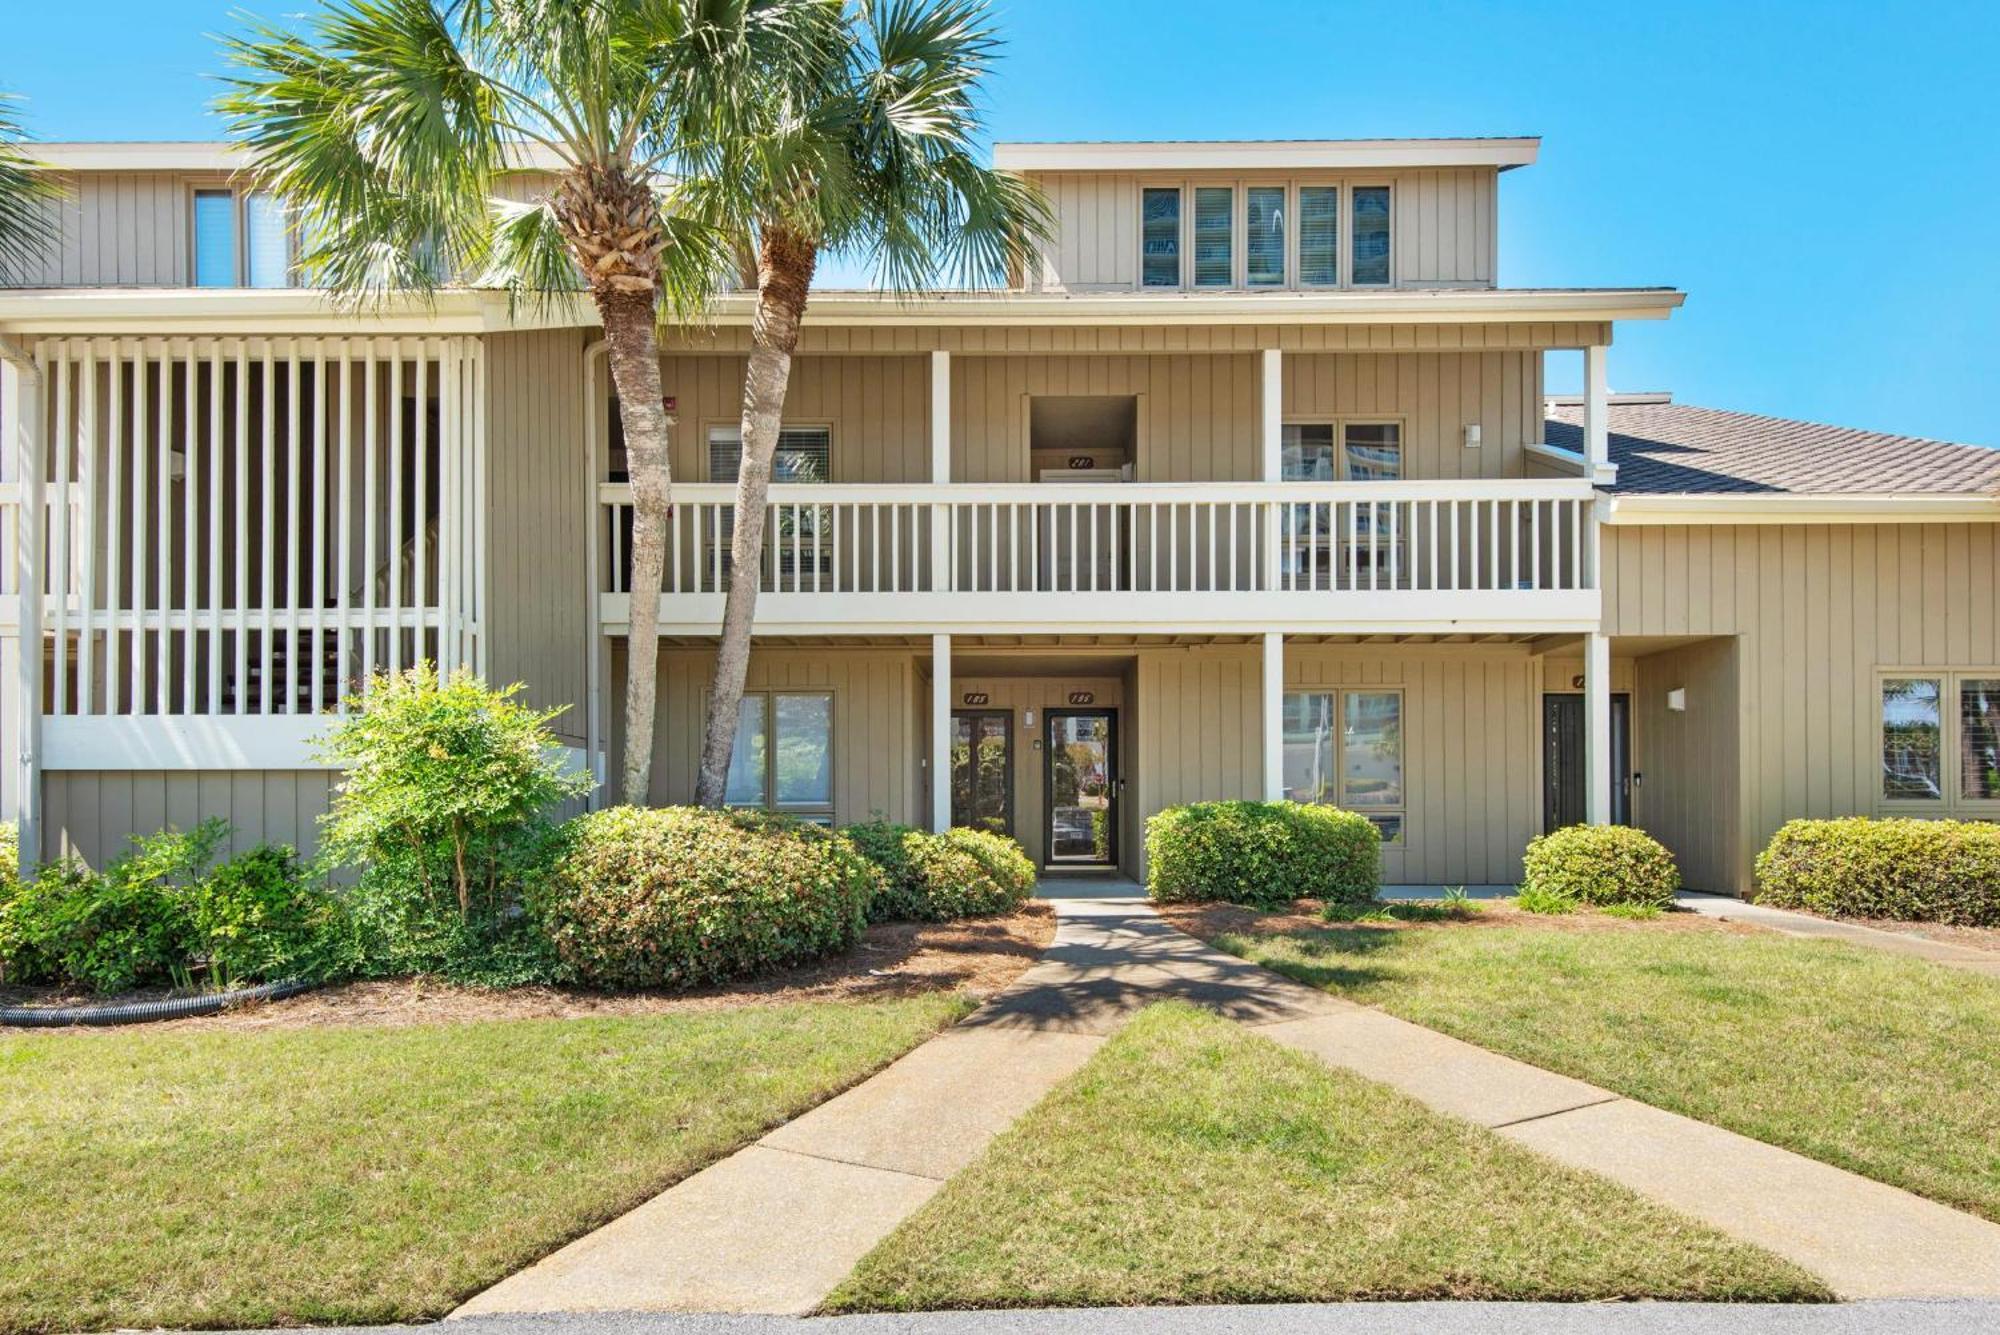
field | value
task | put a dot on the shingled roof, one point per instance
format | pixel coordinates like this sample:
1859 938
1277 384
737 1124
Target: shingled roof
1664 448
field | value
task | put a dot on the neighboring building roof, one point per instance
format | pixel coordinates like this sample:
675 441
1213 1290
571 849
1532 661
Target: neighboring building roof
1667 448
1250 154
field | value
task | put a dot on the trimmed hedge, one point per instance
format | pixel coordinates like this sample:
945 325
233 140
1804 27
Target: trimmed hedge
962 873
1601 864
1944 871
1264 854
681 897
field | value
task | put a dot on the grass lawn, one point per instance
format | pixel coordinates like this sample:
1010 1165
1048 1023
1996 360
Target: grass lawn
1876 1063
367 1174
1193 1162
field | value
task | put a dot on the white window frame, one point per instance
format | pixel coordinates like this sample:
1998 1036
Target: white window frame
1348 188
815 812
1953 804
239 209
1341 421
1339 694
1239 258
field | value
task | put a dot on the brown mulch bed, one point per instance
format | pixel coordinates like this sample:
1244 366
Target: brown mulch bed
1211 920
980 956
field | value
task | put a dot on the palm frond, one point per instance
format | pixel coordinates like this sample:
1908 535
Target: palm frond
29 194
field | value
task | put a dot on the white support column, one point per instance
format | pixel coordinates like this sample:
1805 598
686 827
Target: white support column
940 417
940 732
1271 416
1597 728
1274 715
21 393
1596 419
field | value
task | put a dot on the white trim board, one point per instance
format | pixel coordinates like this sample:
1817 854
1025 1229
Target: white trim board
182 742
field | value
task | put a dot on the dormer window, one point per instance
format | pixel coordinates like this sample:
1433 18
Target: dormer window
1371 235
241 239
1214 230
1262 235
1160 237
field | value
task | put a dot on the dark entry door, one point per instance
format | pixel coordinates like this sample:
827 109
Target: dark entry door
982 770
1564 801
1083 787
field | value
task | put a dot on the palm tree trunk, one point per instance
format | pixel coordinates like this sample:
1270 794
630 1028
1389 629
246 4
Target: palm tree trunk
632 341
785 262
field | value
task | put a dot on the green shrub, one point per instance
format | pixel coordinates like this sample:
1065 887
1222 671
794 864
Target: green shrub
162 914
1264 854
681 896
969 873
1918 870
1601 865
962 873
903 896
445 807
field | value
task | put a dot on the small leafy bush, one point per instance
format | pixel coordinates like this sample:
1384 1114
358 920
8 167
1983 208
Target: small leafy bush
162 914
681 896
445 808
903 896
1601 865
1264 854
962 873
1917 870
968 873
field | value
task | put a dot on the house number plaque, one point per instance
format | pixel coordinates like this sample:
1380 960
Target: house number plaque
977 697
1081 697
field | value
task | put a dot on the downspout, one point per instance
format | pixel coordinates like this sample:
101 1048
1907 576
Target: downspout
595 751
23 396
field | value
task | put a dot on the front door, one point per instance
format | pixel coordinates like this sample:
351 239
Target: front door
1564 801
1083 787
982 770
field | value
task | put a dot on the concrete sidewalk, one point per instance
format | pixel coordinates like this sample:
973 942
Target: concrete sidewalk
1731 909
844 1175
1426 1318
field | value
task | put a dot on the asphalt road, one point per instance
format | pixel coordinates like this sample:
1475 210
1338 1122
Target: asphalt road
1955 1317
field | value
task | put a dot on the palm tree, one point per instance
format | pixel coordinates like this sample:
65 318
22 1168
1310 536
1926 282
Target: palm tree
27 223
874 155
384 124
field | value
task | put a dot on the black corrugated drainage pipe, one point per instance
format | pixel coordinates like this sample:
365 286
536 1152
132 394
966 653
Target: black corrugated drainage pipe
138 1012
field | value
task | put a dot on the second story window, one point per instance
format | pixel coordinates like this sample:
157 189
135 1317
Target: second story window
1371 235
1214 229
1319 235
804 454
1374 451
1160 237
241 239
1264 236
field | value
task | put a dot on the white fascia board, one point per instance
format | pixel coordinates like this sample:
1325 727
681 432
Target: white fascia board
182 742
467 311
1801 508
210 155
1530 612
1267 155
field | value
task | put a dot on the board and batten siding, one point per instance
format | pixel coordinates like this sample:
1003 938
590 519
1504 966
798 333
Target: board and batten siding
876 747
537 498
1690 796
92 815
878 409
120 229
1471 743
1444 223
1435 396
1816 611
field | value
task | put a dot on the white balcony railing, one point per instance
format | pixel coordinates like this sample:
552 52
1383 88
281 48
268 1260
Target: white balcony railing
864 552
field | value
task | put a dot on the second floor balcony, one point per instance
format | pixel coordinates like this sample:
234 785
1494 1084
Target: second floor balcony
1462 556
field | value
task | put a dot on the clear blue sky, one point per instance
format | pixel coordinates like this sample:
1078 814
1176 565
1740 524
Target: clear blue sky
1821 178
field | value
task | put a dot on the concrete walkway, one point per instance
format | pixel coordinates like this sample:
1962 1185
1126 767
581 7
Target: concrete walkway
1731 909
775 1227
